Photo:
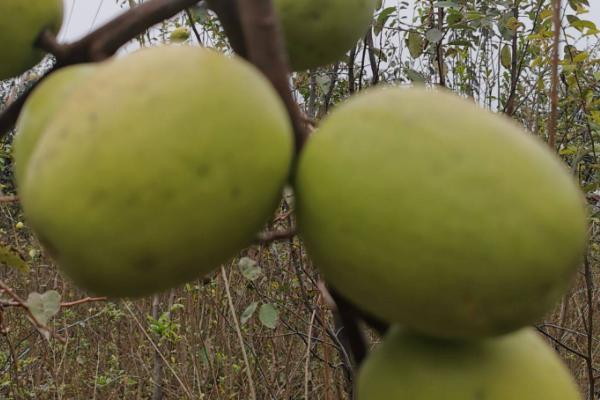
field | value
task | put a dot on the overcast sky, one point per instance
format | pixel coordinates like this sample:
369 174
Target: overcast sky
83 15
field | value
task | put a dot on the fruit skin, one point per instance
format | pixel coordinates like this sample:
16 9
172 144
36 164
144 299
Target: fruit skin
425 210
156 171
319 32
45 101
517 366
21 22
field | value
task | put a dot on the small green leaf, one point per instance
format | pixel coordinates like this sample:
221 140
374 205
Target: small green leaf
323 82
380 54
445 4
44 306
11 258
506 56
268 316
434 35
249 269
384 15
180 34
248 312
415 44
415 76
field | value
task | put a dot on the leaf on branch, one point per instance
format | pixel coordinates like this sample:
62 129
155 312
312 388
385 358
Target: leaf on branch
434 35
44 306
180 35
415 44
12 259
506 56
249 269
445 4
248 312
384 15
268 316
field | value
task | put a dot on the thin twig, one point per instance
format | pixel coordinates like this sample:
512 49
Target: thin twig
307 364
23 304
553 120
155 347
239 334
9 199
589 359
193 26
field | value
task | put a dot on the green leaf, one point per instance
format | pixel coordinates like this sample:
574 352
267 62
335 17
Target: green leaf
445 4
180 35
249 269
582 24
512 23
434 35
44 306
384 15
583 56
12 259
248 312
506 56
323 82
200 13
268 316
415 44
380 54
415 76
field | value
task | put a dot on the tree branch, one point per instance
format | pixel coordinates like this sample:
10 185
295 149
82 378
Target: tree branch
9 199
268 237
265 48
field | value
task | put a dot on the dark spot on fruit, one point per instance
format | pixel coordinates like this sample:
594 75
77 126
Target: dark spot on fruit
235 192
145 263
98 197
133 199
202 170
93 117
314 14
480 395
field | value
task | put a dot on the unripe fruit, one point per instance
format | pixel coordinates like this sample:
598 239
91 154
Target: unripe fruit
517 366
45 101
162 166
427 211
320 32
21 23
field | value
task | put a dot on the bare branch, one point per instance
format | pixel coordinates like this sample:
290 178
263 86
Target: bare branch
552 123
9 199
265 46
21 303
268 237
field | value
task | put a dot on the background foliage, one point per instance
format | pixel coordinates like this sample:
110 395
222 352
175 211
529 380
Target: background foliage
185 343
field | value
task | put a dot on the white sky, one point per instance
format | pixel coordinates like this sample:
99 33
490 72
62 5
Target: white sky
83 15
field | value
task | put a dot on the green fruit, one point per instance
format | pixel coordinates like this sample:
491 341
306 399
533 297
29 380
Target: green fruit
319 32
427 211
21 22
45 101
517 366
155 172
